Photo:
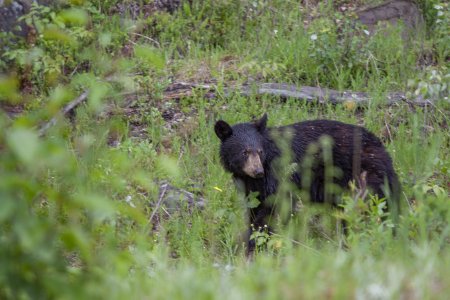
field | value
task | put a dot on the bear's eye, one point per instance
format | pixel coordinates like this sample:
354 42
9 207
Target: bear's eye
260 152
245 153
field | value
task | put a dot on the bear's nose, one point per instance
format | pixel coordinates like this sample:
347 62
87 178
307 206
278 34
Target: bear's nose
259 173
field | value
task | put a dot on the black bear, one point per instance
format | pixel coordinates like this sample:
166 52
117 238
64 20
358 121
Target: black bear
250 151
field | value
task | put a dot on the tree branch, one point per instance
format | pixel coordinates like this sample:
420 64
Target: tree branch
66 109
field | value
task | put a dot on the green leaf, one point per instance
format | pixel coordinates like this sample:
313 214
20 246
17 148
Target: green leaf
151 56
168 166
104 39
97 93
98 206
25 145
74 16
9 89
253 201
7 207
74 239
439 191
58 97
52 33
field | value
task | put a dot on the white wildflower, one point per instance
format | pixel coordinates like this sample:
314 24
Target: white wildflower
128 200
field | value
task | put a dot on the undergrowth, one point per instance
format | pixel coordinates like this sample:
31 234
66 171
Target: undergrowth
84 212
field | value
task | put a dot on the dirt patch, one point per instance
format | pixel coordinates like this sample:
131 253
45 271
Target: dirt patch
167 114
12 110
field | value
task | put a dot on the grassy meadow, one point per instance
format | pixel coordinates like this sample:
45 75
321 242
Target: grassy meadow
83 210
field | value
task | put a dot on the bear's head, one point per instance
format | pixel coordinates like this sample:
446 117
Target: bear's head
242 149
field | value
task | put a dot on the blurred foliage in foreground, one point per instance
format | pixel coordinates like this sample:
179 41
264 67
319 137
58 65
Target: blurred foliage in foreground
79 218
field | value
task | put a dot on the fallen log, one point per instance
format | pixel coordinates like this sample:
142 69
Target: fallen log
283 90
323 95
306 93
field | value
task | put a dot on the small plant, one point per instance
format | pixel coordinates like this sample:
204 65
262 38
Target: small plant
260 236
364 216
264 69
433 84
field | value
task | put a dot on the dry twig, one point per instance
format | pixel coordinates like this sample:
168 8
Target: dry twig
68 108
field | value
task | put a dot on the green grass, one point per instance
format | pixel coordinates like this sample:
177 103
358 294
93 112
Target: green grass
75 212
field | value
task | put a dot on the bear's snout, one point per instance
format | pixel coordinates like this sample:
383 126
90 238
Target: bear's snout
259 173
253 166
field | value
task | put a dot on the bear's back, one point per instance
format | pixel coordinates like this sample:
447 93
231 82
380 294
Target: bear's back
338 131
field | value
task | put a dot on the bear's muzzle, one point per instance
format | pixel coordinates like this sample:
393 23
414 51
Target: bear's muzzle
253 166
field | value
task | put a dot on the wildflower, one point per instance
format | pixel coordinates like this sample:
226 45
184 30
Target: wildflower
128 200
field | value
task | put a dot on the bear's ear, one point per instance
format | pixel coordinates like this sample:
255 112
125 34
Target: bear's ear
223 130
261 123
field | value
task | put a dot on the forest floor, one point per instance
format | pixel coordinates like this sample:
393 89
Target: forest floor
111 176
